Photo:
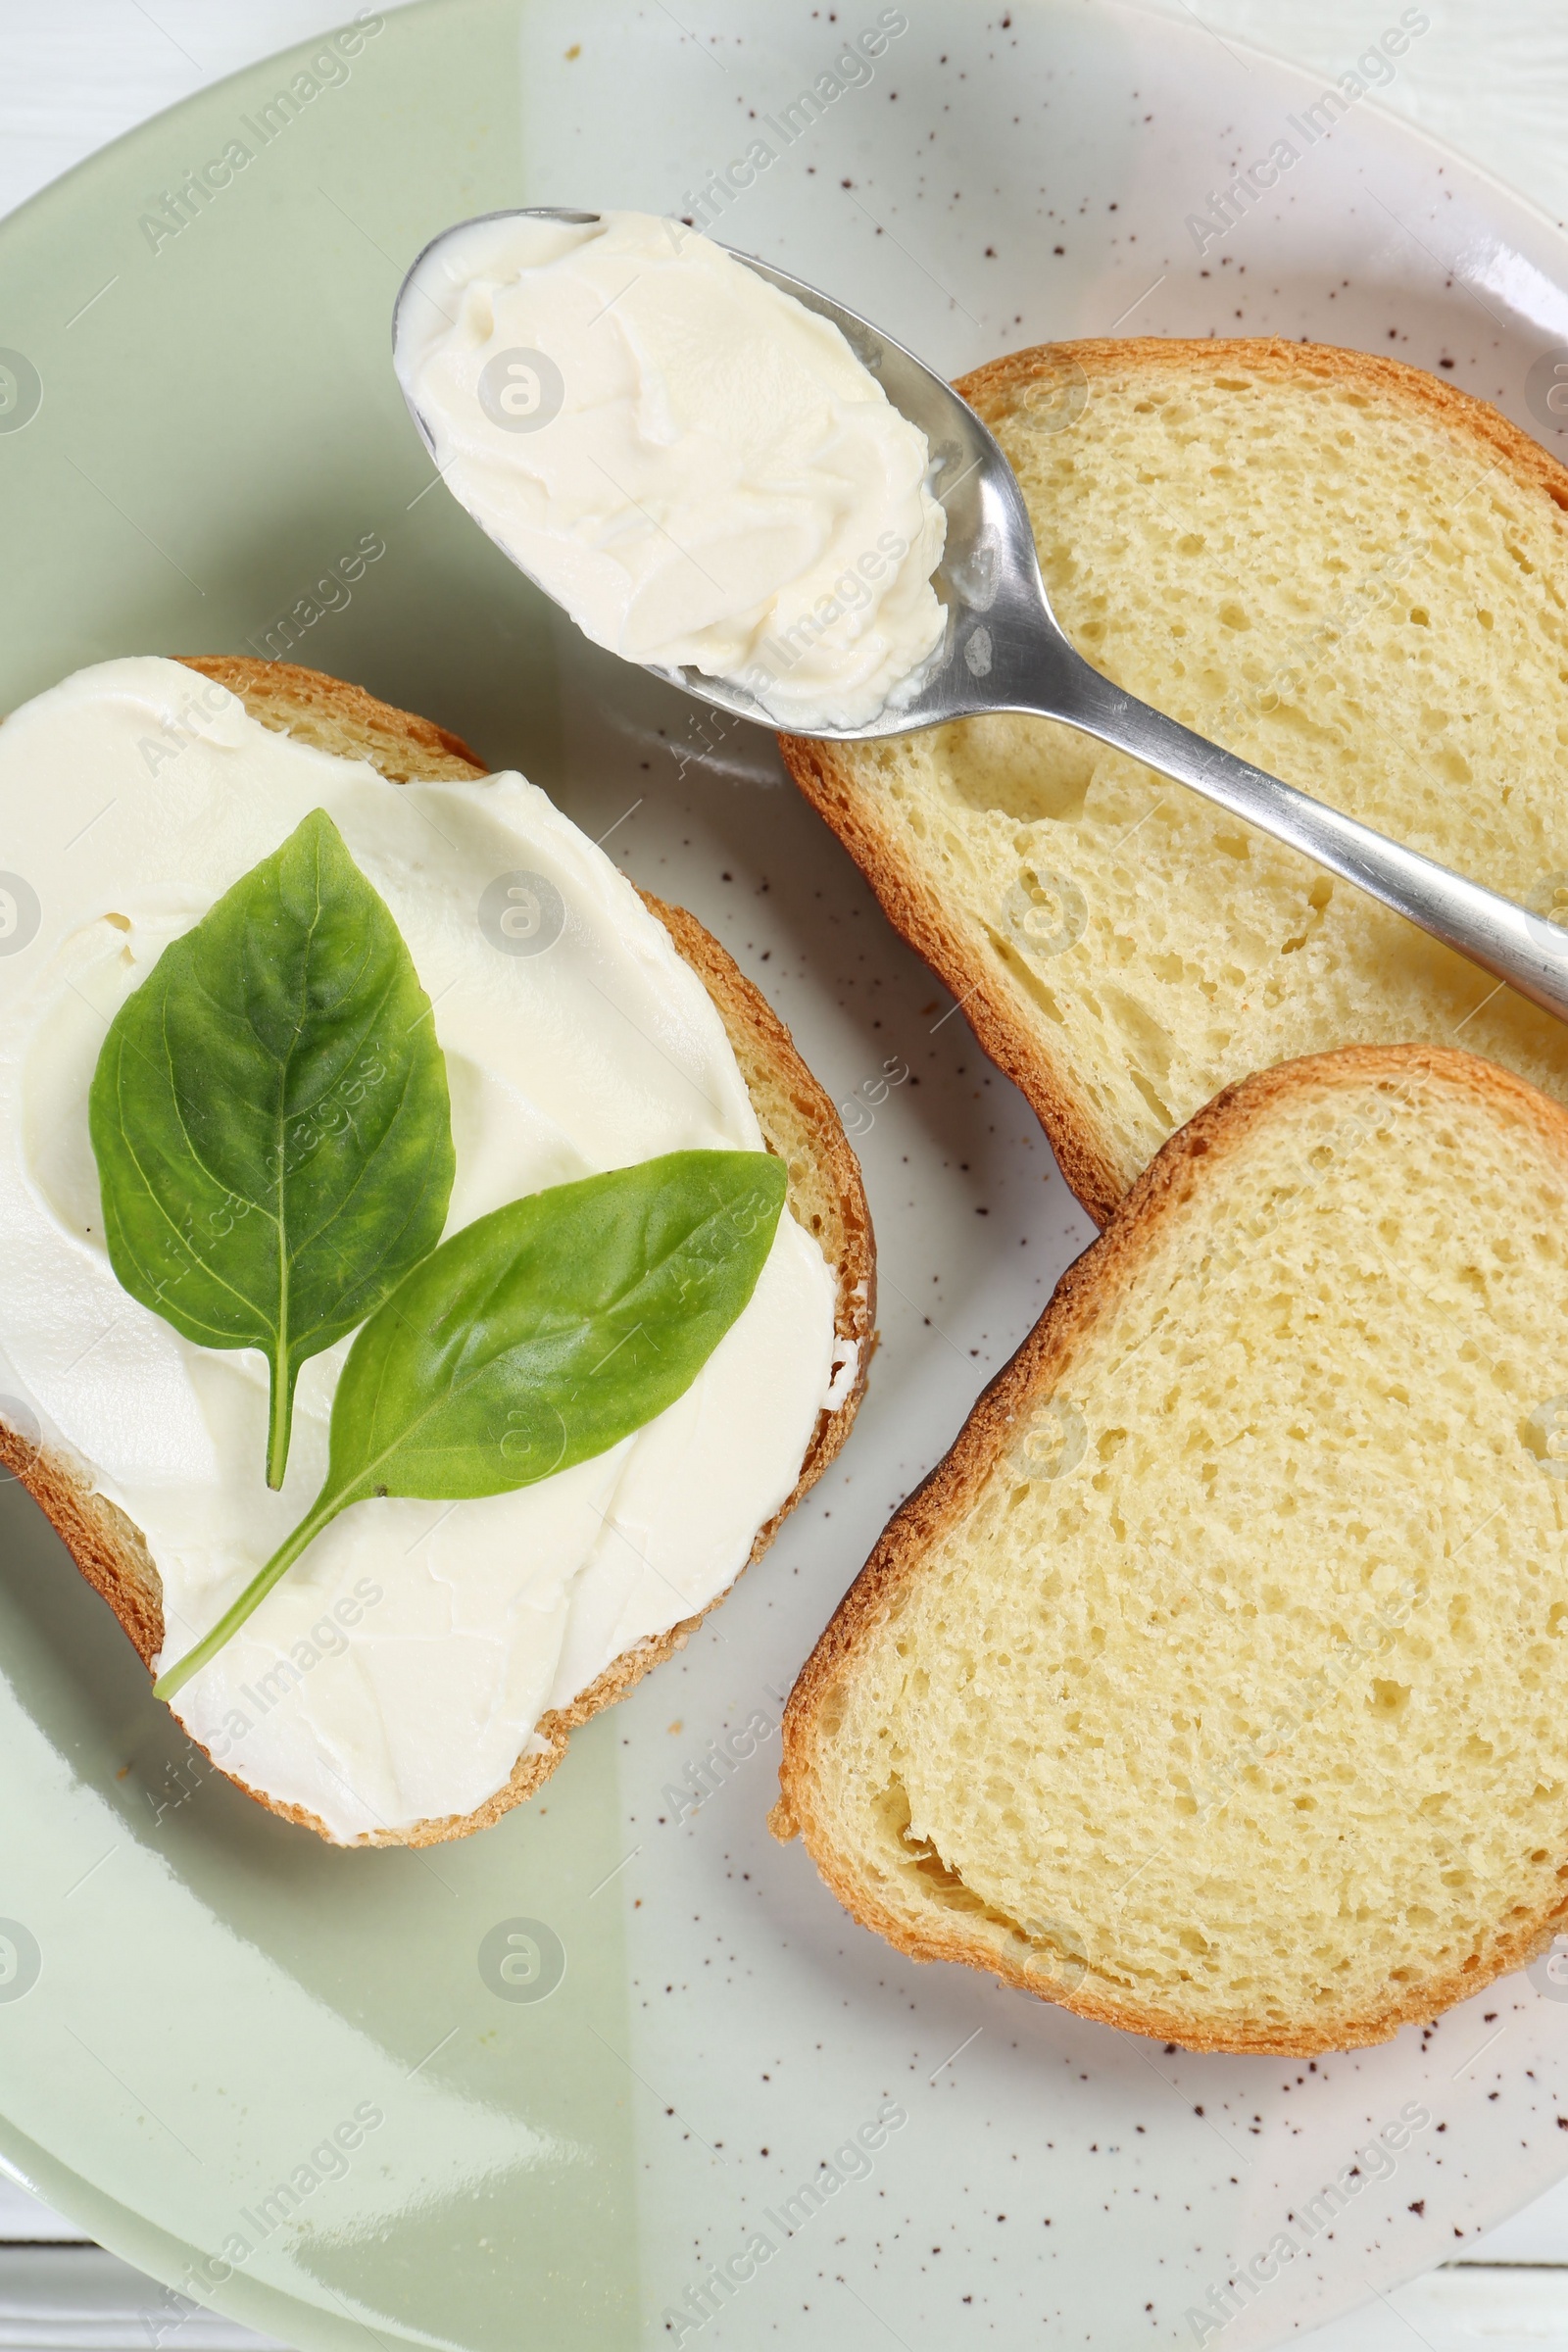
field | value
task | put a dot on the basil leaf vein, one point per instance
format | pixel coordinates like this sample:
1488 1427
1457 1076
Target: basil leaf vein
270 1119
535 1338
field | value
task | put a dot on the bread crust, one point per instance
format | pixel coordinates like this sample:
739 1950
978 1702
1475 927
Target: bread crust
1107 1270
911 899
797 1120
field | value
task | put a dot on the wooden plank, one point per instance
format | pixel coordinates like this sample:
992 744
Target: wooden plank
1468 2307
66 2299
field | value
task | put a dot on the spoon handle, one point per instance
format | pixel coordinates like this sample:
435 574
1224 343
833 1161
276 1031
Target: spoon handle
1525 949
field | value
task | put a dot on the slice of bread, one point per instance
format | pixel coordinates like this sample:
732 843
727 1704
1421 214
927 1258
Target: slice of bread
798 1122
1211 1685
1342 567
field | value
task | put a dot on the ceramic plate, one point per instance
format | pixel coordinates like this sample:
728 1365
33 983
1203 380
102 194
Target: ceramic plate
657 2138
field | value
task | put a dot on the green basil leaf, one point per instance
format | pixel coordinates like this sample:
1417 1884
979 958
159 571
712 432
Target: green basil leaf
536 1336
549 1330
270 1119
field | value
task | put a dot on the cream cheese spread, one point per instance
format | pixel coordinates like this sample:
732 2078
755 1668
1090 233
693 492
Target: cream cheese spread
694 465
401 1667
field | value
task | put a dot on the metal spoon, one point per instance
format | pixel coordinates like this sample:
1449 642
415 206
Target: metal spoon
1004 650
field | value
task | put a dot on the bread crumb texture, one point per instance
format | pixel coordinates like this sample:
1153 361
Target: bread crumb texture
1213 1685
1336 565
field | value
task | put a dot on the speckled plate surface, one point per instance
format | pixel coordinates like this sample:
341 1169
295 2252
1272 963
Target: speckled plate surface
712 2067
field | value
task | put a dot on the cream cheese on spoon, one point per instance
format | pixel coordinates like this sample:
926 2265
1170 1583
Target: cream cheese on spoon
397 1670
693 464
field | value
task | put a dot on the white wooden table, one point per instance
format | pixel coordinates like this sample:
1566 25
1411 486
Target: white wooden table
1492 78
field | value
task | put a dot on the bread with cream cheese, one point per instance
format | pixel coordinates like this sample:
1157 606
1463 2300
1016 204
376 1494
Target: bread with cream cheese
825 1196
1211 1685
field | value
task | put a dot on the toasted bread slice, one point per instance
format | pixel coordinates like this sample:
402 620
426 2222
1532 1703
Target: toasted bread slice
1337 565
1211 1685
797 1121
